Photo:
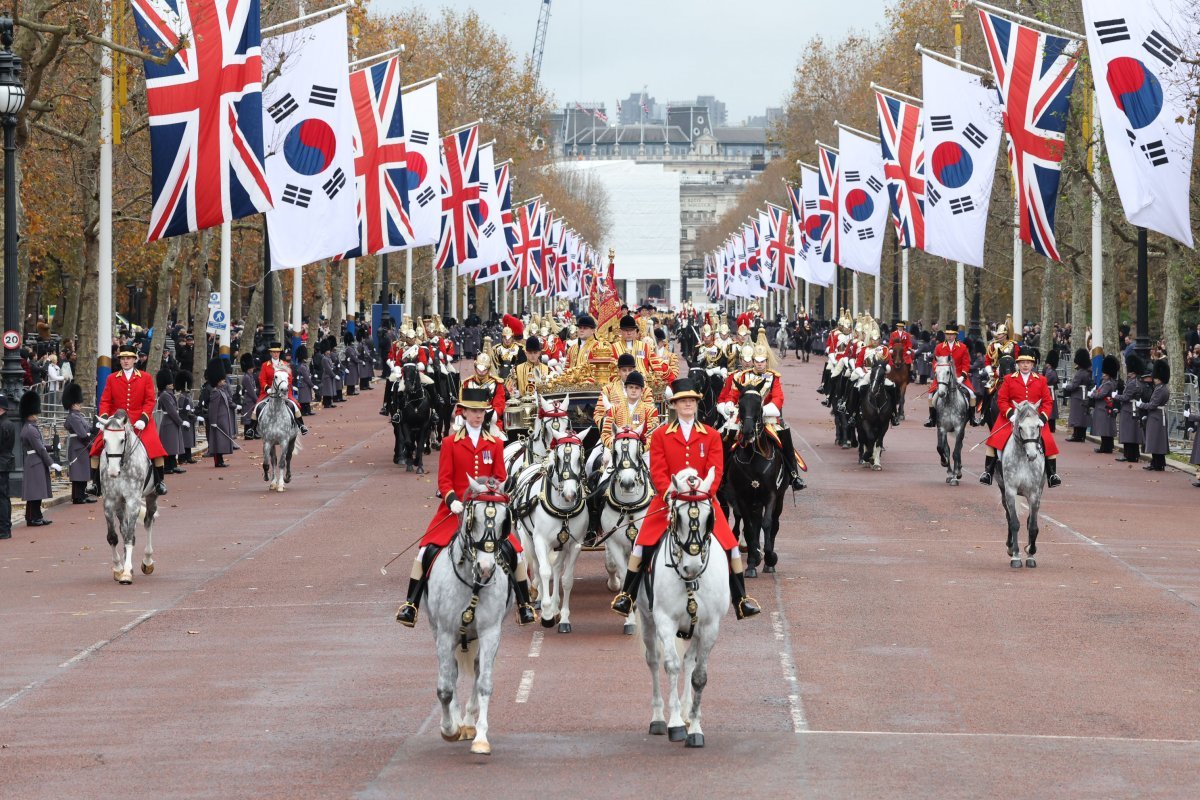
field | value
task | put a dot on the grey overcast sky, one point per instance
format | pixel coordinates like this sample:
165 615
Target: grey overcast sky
741 51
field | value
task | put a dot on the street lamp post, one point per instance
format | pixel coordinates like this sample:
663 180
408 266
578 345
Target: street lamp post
12 98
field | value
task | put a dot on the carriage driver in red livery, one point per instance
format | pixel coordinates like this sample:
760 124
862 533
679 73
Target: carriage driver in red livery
684 443
471 452
1024 384
131 391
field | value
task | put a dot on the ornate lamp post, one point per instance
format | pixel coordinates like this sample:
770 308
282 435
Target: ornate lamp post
12 98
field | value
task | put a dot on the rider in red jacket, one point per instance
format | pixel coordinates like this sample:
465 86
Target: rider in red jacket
1023 385
131 391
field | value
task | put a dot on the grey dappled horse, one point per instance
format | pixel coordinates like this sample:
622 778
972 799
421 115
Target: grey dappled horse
1022 473
690 595
623 506
128 491
467 598
277 429
953 411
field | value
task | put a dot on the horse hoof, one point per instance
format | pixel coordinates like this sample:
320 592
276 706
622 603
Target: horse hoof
451 737
768 569
408 468
751 572
466 733
564 627
658 728
952 481
1015 563
481 748
420 470
396 459
771 558
629 630
117 575
694 740
1029 562
126 578
549 623
876 467
677 734
147 569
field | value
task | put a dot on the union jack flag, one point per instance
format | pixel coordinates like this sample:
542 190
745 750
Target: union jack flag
828 201
459 238
503 268
796 201
380 157
712 283
1035 73
904 166
205 108
550 234
527 248
781 255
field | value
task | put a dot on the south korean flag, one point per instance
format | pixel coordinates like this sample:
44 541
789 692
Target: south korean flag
424 164
1145 91
962 142
308 131
864 202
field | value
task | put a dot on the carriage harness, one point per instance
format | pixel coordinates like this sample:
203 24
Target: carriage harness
488 543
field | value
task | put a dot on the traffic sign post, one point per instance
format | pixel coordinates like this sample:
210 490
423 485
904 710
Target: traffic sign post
12 340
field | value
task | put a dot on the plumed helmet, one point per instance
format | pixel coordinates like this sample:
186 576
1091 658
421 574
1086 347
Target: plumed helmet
247 362
1134 365
72 395
1161 372
31 403
214 372
1110 366
1082 361
761 352
483 362
514 325
163 379
743 330
706 331
747 352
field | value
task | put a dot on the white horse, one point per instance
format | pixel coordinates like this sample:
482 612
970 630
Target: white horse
550 424
1022 473
624 505
690 595
128 489
953 411
551 517
277 429
467 598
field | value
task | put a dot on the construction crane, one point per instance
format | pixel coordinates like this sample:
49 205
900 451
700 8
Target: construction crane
539 48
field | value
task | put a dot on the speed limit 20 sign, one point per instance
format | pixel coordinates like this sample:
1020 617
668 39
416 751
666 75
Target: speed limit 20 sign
12 340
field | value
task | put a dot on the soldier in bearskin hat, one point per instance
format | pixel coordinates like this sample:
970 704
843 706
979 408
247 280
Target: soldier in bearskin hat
222 417
79 439
36 485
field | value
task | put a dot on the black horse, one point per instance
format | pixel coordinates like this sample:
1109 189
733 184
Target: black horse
688 339
845 433
408 408
877 405
755 483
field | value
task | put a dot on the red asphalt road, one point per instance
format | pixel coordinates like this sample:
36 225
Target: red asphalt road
899 655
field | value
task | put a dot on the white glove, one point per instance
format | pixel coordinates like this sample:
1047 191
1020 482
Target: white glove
199 420
456 507
100 423
185 424
391 363
1187 413
1137 404
770 410
56 468
727 408
858 374
140 425
545 359
420 366
667 393
987 371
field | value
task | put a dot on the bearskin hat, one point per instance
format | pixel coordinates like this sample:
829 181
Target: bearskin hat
183 380
1134 365
163 379
1082 359
1162 372
1110 366
72 395
214 372
1052 358
31 403
330 343
302 353
247 362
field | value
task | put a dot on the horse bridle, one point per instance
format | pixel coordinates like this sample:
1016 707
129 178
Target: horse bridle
627 510
489 543
696 544
564 515
127 434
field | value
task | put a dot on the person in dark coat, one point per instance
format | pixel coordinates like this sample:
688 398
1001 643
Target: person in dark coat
170 432
79 442
247 395
1050 373
304 382
1154 412
339 369
328 379
37 462
1129 430
8 441
1076 391
1191 414
222 420
350 356
187 412
366 361
1104 422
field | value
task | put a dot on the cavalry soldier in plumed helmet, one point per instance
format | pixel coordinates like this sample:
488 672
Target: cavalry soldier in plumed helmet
266 379
1023 385
507 352
131 391
1001 347
530 373
482 378
685 443
763 376
958 353
470 452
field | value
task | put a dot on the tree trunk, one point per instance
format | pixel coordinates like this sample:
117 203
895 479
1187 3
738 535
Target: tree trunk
254 315
1112 337
945 280
322 296
923 278
162 303
337 286
70 315
200 332
1049 298
1177 269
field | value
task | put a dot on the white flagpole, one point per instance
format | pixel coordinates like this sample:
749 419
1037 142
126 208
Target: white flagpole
408 298
904 285
104 315
454 293
1097 234
855 308
351 288
226 290
960 276
298 299
877 281
433 286
1018 266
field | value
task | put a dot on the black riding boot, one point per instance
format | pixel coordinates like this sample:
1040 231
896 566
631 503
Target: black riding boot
626 601
525 612
1052 478
160 486
933 418
989 464
743 606
406 615
93 488
789 457
300 424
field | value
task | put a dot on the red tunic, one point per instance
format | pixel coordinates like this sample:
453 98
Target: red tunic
669 454
1012 391
901 337
266 378
860 360
962 361
135 397
459 459
732 394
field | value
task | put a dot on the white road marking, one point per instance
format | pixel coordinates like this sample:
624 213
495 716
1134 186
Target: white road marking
987 735
525 687
535 647
104 642
783 641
